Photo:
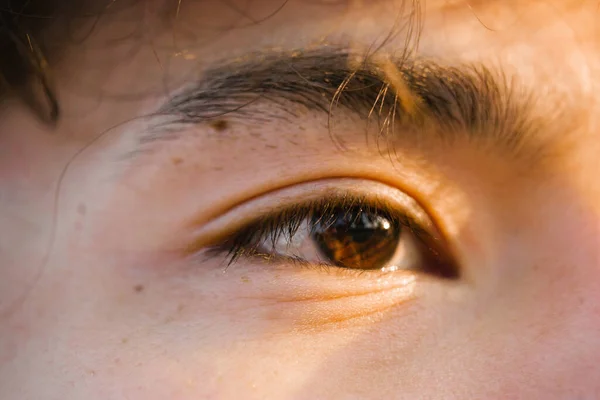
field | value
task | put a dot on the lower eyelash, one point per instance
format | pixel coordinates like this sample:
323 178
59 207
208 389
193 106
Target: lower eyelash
298 263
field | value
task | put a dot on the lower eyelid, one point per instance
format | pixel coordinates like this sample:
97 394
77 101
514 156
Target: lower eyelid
276 261
286 282
311 302
321 313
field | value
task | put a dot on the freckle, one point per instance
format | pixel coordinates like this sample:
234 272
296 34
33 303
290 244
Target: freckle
270 146
81 209
124 340
138 288
176 160
180 308
219 125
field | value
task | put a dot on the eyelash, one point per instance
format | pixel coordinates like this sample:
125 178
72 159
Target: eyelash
245 243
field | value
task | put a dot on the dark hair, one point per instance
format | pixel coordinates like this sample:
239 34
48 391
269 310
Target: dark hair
29 47
23 59
32 38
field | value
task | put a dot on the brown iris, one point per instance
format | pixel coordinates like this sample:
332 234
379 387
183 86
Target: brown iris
356 238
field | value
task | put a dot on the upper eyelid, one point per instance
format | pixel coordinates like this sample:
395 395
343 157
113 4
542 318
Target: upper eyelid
280 200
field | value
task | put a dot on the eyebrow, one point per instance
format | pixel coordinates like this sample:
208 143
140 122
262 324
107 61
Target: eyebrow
468 102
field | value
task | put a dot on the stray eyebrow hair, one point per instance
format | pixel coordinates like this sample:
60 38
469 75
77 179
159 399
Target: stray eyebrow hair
469 102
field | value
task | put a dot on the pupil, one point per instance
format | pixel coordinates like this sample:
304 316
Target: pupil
357 239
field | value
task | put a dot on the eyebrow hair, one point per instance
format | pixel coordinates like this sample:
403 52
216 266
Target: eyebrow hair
469 101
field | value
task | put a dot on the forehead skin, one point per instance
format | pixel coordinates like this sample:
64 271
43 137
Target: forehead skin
531 334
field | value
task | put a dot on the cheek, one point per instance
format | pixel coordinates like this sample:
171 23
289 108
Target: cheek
183 360
107 330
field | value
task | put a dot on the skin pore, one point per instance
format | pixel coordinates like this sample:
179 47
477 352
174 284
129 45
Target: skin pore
183 123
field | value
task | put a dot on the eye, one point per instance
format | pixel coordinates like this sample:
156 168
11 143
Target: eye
346 232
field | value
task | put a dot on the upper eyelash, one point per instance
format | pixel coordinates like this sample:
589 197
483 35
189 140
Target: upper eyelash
287 221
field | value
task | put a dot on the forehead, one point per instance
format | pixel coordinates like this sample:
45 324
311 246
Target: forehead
205 17
445 28
540 41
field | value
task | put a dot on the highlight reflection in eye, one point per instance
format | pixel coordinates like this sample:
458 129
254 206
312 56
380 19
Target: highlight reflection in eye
345 232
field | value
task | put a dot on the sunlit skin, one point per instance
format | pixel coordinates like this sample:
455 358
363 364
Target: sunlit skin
105 292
